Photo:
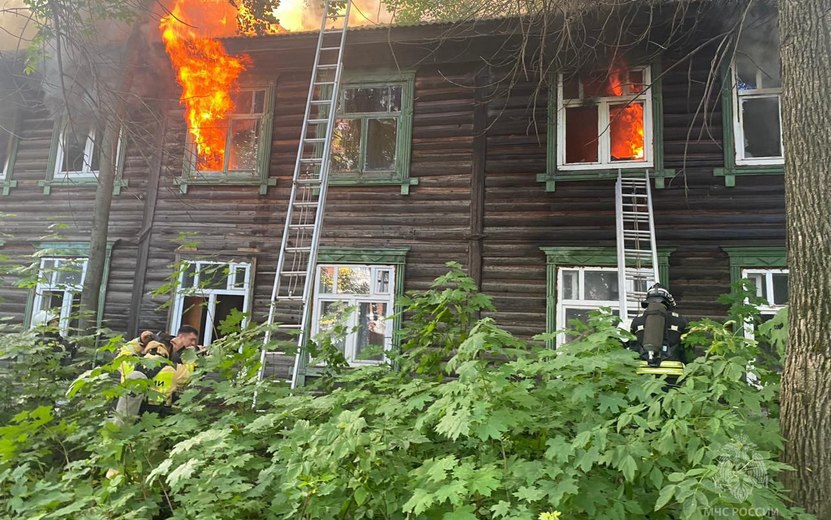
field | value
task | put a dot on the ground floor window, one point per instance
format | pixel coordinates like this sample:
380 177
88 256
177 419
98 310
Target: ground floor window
582 290
58 292
360 297
210 294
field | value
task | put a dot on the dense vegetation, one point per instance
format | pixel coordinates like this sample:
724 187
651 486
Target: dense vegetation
471 423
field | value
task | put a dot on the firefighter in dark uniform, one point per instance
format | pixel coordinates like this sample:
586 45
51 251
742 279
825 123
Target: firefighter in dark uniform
658 332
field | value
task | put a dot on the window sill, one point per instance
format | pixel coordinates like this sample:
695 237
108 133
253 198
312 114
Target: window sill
730 173
225 180
81 182
7 185
356 180
550 179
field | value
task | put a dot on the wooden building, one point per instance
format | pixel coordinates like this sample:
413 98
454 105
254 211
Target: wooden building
442 156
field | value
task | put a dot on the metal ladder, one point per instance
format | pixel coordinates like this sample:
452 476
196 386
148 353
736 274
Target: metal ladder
291 296
637 256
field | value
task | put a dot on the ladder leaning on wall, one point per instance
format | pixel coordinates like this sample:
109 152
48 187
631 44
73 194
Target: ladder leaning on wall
291 297
637 256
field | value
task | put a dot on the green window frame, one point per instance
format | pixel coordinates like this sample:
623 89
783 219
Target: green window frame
656 169
741 257
731 128
565 256
57 177
396 257
400 173
77 250
8 147
260 176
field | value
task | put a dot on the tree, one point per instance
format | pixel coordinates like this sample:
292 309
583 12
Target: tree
805 28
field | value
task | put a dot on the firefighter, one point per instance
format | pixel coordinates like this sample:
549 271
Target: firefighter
658 332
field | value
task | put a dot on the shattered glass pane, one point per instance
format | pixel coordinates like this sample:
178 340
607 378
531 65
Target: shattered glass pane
601 285
581 135
760 126
363 100
245 135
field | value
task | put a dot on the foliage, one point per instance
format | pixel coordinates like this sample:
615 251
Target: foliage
512 431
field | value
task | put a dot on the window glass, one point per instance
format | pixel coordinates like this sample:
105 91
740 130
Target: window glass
381 135
57 293
581 290
79 151
601 285
353 280
382 282
760 127
372 329
780 288
326 280
346 145
626 126
245 134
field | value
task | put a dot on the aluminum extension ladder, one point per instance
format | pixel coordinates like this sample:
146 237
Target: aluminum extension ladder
637 256
291 297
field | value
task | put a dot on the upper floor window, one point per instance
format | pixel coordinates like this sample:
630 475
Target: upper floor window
360 297
604 120
757 92
58 292
78 152
245 144
208 293
371 139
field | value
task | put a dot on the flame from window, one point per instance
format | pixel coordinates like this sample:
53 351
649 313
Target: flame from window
206 72
625 120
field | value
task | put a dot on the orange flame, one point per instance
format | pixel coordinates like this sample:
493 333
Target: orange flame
206 72
626 121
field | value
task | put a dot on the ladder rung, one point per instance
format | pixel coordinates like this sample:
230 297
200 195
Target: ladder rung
288 326
311 159
298 249
322 83
330 48
306 204
293 273
301 226
321 102
327 66
314 139
307 182
293 297
318 121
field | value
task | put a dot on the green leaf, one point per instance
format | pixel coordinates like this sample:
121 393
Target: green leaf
665 496
360 495
463 513
529 494
628 466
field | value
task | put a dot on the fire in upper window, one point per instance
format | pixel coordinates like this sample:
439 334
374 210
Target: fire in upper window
604 118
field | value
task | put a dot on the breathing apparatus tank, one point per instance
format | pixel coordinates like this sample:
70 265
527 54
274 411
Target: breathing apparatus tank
658 334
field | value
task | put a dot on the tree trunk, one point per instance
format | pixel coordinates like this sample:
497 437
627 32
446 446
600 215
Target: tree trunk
113 106
805 32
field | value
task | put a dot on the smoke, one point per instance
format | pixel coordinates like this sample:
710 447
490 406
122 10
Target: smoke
303 15
16 27
759 39
82 68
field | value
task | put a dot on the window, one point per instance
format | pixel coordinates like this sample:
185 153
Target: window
78 152
772 286
246 137
361 297
208 293
371 139
75 157
581 279
604 120
58 292
757 88
751 105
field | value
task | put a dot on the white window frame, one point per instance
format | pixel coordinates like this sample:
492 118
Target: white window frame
603 126
211 293
770 308
580 303
236 116
89 151
374 296
738 128
46 284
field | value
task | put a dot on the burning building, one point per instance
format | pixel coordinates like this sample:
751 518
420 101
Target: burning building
436 158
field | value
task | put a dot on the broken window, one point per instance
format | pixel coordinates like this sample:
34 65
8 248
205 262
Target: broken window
366 131
605 120
213 297
359 300
58 292
757 88
241 131
78 152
